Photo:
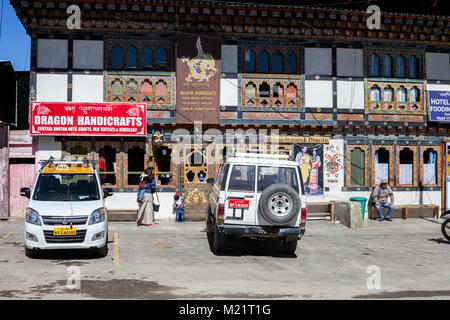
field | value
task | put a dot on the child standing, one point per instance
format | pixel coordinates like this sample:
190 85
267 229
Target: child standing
178 206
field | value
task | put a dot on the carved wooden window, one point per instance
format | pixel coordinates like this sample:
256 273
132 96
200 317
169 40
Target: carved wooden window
388 94
264 94
382 163
250 94
153 89
406 166
375 94
139 55
402 95
195 166
430 165
278 95
387 62
357 166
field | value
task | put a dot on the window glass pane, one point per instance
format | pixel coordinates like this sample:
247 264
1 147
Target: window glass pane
250 65
135 164
429 167
401 94
161 57
117 57
131 58
415 95
263 63
400 67
387 66
277 63
375 94
413 67
66 187
406 167
270 175
291 63
146 57
242 179
223 179
388 94
381 165
374 66
357 169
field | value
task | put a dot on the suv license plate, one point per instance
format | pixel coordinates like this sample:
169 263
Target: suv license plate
238 203
64 231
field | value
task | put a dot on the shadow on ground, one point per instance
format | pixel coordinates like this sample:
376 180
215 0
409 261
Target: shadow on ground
250 247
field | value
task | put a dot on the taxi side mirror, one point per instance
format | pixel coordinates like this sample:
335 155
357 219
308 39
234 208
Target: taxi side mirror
25 192
210 181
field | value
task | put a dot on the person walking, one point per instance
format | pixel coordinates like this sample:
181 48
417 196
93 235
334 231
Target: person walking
381 194
145 215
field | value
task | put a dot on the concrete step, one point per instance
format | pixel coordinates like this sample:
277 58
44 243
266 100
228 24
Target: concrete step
122 215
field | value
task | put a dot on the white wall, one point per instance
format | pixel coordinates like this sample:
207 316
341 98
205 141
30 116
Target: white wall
51 87
318 61
350 94
87 88
127 201
87 54
349 62
48 147
229 58
229 92
318 93
437 66
52 53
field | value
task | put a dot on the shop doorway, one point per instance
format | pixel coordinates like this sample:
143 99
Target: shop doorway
107 165
163 158
136 157
22 172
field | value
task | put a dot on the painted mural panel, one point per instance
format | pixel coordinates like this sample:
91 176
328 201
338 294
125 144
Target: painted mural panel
310 159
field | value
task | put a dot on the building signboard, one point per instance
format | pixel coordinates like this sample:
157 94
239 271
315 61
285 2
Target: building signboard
198 79
88 119
439 106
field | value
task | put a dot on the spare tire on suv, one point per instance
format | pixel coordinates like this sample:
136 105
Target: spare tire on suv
279 203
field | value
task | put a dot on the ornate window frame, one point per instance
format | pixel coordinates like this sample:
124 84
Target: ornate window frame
348 149
415 180
438 150
380 52
389 147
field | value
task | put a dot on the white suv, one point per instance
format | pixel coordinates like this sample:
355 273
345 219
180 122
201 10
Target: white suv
257 195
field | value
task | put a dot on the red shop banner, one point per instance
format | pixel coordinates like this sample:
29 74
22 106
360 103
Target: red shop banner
88 119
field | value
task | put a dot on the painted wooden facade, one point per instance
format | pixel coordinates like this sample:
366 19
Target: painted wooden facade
299 70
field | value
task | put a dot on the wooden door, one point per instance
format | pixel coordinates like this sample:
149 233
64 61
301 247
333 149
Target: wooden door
20 176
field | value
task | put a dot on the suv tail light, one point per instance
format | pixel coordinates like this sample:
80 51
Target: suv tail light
220 213
302 224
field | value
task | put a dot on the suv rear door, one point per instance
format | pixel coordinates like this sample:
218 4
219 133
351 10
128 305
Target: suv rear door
240 198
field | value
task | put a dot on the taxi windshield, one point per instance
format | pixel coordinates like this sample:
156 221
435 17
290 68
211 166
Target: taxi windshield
66 187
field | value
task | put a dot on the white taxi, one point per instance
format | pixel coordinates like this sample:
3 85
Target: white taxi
66 209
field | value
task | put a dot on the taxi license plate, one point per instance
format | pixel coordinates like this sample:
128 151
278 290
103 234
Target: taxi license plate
239 203
64 231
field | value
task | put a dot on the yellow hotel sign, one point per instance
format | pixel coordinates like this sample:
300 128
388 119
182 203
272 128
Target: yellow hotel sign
288 139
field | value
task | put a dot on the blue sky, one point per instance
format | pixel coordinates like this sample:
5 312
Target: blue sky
14 41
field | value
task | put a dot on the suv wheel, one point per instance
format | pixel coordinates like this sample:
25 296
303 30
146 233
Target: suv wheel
219 240
279 203
290 245
209 224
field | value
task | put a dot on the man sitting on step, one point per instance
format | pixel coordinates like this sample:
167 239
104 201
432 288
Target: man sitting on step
380 199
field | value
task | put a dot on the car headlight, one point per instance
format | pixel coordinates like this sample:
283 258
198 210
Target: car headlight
97 216
32 216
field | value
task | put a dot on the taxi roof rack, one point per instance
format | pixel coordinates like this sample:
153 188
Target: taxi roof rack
63 159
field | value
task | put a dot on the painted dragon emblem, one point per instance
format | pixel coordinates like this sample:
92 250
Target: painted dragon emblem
202 67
